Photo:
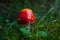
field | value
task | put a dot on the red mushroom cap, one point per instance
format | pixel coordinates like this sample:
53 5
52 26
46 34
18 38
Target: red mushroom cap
26 16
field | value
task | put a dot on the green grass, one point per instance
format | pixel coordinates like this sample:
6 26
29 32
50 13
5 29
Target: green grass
45 27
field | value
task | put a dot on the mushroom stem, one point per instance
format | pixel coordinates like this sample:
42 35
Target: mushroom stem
28 27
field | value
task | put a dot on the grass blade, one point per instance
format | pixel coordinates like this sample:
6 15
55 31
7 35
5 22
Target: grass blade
43 18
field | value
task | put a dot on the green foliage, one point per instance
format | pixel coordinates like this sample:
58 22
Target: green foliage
24 31
45 27
41 33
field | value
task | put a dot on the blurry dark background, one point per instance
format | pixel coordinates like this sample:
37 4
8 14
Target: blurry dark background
9 10
14 6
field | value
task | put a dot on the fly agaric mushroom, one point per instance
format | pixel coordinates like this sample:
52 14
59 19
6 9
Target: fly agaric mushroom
26 16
